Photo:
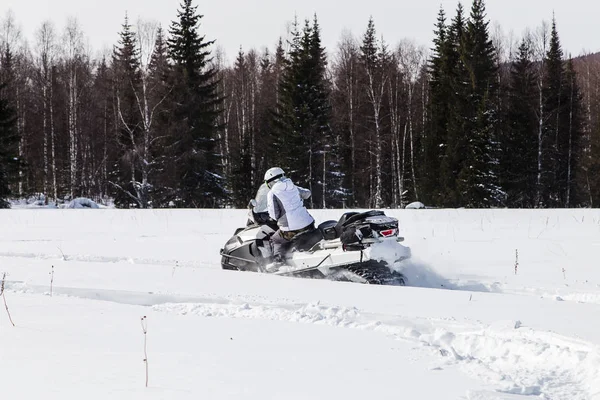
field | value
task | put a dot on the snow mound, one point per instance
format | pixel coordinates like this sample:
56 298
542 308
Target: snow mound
82 202
415 205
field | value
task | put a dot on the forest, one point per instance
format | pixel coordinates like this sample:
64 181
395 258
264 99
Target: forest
476 119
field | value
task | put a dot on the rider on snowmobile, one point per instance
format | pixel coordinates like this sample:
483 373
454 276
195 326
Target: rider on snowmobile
284 204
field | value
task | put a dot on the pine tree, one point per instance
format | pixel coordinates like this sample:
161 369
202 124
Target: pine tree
554 103
160 91
288 147
303 118
519 148
196 107
9 151
456 78
127 80
434 141
374 59
478 182
159 70
332 192
11 162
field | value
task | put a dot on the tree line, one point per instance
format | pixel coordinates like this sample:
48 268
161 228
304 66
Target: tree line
480 119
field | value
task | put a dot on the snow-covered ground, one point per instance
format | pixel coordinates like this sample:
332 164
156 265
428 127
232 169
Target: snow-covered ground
502 304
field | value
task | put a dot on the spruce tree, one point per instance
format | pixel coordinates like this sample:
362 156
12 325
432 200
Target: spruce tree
456 78
289 152
196 107
478 182
519 145
434 140
554 104
9 151
10 162
159 69
304 143
332 192
374 59
127 80
160 89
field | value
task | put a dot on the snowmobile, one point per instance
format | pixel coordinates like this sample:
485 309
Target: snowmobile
362 247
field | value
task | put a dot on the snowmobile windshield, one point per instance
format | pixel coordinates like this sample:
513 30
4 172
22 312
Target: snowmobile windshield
261 199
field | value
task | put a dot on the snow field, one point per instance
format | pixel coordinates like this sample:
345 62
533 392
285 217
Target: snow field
469 327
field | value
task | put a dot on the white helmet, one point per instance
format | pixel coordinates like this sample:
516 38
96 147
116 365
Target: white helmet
273 174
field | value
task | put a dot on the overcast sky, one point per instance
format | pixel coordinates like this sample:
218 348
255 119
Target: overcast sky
259 23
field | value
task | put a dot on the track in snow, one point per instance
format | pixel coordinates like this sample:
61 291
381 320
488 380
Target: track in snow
525 361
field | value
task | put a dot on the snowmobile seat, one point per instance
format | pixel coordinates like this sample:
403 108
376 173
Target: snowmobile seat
306 240
328 230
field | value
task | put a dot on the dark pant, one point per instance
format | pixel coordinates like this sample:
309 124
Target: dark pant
282 240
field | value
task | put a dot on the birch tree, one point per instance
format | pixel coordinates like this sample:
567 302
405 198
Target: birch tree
541 37
346 100
45 58
373 58
72 54
411 59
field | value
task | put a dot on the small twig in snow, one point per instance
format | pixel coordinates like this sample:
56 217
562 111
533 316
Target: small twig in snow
145 330
516 260
174 267
63 254
4 298
51 280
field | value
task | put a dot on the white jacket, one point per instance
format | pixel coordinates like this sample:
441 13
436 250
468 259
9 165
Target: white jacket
284 203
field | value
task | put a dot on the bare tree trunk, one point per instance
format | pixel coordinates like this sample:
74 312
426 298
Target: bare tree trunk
310 173
53 145
105 153
376 97
21 138
224 137
73 131
543 41
412 141
378 151
398 168
73 48
395 129
45 43
395 188
540 139
350 85
403 168
253 97
569 160
324 179
45 133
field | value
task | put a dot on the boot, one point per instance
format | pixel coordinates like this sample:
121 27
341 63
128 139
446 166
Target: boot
275 264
